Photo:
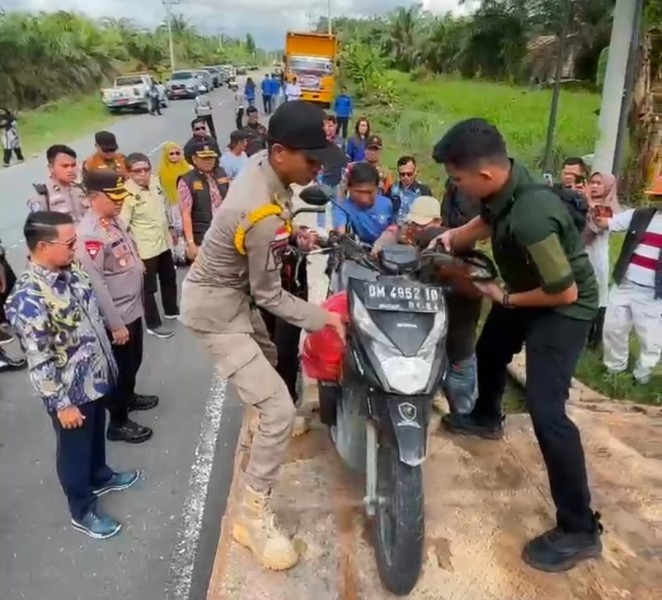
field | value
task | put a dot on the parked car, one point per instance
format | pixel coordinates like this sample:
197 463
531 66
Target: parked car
206 81
241 70
215 75
131 91
188 83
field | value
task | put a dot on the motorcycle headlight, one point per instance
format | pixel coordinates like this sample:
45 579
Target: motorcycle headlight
404 374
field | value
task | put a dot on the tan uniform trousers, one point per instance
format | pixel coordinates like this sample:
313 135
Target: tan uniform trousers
247 362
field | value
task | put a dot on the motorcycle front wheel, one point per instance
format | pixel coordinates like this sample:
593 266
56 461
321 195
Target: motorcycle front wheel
399 530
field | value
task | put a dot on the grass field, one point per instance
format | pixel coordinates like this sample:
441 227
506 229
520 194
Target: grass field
61 121
426 109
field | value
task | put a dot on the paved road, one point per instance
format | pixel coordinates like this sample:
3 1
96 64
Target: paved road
172 516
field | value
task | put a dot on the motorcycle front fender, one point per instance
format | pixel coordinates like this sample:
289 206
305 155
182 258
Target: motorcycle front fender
409 420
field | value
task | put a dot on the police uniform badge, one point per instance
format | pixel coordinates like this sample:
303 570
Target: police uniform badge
277 248
197 186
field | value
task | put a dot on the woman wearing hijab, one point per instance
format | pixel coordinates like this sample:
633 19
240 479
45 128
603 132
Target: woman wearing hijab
356 144
173 166
601 195
9 136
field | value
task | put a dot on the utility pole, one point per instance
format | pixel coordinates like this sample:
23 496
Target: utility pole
614 85
554 108
329 18
168 6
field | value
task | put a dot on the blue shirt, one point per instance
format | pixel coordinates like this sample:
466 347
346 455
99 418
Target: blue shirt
369 223
267 87
61 331
343 106
233 163
275 86
249 91
356 149
403 198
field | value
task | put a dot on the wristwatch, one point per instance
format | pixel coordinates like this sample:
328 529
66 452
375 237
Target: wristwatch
505 301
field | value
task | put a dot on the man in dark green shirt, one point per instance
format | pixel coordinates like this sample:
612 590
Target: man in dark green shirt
547 304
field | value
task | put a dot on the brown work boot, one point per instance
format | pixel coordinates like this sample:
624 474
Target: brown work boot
255 528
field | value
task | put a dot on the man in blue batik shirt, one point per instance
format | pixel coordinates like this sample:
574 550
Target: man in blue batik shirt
404 191
71 365
365 211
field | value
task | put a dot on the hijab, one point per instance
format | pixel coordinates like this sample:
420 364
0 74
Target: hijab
170 172
609 198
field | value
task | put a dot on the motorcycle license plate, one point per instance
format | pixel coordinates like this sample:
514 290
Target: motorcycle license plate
405 298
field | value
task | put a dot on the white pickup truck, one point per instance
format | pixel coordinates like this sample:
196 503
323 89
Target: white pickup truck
131 91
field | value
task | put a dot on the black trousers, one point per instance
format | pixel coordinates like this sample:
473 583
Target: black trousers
266 104
81 458
7 155
553 345
343 123
210 123
284 335
128 357
161 267
155 106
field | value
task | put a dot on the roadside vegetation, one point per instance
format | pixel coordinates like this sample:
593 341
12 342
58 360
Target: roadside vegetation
52 66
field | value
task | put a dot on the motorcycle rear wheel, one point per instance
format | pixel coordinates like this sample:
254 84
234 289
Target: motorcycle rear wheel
399 530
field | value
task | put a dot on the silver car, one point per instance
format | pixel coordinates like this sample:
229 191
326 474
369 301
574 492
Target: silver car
183 84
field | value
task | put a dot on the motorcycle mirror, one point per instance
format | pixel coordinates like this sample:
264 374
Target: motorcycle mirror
314 195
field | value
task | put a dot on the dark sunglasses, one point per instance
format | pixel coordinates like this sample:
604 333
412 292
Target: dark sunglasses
200 128
406 173
174 153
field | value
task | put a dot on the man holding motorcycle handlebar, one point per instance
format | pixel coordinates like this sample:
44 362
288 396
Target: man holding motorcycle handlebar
548 304
237 271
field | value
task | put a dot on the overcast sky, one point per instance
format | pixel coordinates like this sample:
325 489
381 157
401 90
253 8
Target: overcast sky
267 20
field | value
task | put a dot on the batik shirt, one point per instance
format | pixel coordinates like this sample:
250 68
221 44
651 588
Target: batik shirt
61 331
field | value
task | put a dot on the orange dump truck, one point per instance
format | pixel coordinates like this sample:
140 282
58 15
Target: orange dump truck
311 58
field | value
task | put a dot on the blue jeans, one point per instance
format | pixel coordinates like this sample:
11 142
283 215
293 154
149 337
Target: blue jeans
460 385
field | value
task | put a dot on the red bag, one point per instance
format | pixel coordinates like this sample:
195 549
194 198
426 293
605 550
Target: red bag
322 352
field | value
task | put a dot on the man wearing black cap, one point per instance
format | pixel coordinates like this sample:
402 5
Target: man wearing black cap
106 156
201 192
111 260
238 270
373 149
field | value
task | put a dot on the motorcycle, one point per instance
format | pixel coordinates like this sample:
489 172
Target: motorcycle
393 363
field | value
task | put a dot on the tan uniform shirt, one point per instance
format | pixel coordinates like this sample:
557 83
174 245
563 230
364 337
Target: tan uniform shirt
217 292
109 256
144 215
68 199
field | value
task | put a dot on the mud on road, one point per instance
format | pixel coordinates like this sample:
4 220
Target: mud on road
484 500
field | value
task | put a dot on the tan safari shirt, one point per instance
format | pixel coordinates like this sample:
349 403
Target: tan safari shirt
144 215
224 284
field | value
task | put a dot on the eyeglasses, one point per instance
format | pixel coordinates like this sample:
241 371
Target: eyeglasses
406 173
174 153
141 170
201 128
70 244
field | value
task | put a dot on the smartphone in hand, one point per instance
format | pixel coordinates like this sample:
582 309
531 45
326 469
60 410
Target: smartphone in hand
603 212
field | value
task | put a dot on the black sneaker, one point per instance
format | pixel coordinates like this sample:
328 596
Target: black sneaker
142 402
470 425
557 550
129 432
160 332
5 337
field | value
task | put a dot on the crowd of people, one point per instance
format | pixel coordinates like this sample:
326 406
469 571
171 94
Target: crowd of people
101 247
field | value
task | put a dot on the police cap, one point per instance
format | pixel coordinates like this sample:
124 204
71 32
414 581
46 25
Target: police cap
206 148
299 125
106 181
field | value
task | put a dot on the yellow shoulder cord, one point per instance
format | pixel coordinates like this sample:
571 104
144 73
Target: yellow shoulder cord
255 217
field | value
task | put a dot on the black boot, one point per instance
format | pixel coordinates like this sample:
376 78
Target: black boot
142 402
129 431
474 425
558 550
